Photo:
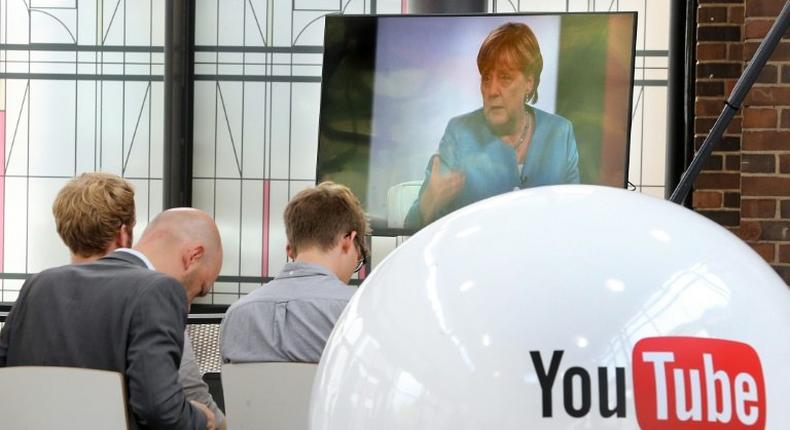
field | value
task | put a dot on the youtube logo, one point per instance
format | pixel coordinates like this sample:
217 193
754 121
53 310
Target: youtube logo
679 383
687 383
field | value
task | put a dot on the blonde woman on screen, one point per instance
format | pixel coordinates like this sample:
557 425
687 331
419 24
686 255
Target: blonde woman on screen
506 144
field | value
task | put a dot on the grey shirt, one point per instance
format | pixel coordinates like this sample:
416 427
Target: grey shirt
288 319
195 388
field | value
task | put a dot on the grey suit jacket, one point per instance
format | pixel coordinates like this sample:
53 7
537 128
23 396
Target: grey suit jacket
112 314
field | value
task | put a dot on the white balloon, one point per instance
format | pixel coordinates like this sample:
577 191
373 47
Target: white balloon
448 331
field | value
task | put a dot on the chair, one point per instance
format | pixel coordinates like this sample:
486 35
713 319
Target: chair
66 398
400 198
271 396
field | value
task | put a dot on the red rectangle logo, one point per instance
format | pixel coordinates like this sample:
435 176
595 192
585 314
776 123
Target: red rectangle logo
689 383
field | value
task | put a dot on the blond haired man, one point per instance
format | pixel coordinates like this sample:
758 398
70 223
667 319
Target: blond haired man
94 216
290 318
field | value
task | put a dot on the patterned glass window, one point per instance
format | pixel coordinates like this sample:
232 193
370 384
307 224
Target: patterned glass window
81 89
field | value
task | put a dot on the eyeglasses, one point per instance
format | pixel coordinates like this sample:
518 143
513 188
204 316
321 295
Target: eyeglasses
361 249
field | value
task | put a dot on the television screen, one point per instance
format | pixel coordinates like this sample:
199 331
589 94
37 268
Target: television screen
422 115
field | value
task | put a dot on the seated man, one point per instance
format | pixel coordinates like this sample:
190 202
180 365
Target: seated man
95 215
290 318
118 314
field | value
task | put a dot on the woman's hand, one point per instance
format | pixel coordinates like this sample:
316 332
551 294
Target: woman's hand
441 190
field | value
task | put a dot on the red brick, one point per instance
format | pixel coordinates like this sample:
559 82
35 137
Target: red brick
736 15
774 230
784 253
749 230
727 143
759 118
718 70
715 33
784 163
765 186
758 163
767 140
714 162
758 208
718 181
785 118
782 52
708 15
732 162
732 200
769 96
757 28
735 52
728 86
703 126
710 88
785 73
727 218
708 107
784 210
735 126
711 51
707 199
769 8
769 75
766 250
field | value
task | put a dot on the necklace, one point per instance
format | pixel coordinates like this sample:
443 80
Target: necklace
523 139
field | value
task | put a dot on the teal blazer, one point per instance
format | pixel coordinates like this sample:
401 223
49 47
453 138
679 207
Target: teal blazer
490 165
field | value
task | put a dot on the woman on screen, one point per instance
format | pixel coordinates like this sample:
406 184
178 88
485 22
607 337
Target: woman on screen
505 145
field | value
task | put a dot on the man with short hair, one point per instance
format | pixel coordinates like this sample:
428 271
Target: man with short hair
291 317
124 312
95 215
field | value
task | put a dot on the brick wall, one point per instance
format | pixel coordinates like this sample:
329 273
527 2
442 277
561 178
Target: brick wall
746 184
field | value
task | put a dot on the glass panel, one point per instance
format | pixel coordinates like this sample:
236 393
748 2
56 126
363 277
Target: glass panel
45 248
66 112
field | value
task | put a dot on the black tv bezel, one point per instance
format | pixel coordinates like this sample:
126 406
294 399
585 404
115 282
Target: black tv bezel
396 232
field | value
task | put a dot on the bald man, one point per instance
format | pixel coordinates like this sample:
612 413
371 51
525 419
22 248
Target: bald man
126 313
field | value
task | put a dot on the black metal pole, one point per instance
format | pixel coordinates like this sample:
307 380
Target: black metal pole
446 6
179 90
732 105
680 91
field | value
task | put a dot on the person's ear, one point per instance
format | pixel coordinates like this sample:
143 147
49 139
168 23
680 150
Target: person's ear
192 256
289 252
122 239
348 242
125 236
530 88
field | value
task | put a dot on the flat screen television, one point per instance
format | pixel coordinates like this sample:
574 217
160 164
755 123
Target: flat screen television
422 115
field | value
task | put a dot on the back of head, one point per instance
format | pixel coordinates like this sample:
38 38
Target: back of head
185 244
91 209
317 216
